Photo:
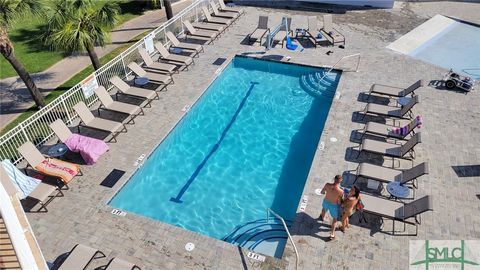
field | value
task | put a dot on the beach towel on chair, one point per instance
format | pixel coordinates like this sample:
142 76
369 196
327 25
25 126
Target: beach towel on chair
417 122
58 168
24 184
89 148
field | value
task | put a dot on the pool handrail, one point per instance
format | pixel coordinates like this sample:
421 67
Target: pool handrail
336 63
288 233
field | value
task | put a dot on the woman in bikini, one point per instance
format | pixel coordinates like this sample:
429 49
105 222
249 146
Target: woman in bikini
348 205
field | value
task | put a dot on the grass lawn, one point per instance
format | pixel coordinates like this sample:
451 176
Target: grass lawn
34 56
72 82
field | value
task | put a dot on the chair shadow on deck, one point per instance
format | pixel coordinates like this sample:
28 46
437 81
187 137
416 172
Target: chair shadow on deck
467 170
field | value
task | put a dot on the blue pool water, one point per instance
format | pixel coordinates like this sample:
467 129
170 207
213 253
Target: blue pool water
456 47
246 145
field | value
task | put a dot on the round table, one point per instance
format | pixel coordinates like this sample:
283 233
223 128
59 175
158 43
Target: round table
141 81
397 190
57 150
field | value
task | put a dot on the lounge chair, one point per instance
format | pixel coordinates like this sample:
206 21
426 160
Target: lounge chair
90 149
28 187
390 131
259 32
88 120
334 35
175 58
133 91
111 105
195 48
393 91
209 26
313 31
119 264
224 14
63 171
80 257
402 112
233 9
214 19
387 175
397 211
205 34
281 35
157 78
404 150
151 65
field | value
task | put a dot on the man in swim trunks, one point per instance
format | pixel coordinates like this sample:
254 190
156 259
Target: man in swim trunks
332 201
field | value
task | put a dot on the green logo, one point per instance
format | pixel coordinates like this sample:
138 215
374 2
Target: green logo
445 256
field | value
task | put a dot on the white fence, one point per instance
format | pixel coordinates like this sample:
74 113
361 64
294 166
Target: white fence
36 128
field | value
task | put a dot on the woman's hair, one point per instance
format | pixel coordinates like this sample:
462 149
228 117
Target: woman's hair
356 191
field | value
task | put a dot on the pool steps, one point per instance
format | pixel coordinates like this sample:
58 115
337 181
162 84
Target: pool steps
263 236
314 85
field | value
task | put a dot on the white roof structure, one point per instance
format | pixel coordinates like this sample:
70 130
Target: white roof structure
27 251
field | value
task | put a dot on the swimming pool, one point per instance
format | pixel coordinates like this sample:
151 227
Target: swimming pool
246 145
456 47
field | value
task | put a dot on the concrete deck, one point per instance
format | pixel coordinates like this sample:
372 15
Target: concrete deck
449 139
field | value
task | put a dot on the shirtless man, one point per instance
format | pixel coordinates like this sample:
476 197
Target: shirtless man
332 201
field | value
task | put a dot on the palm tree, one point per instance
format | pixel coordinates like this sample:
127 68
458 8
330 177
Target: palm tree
166 4
168 9
79 25
11 10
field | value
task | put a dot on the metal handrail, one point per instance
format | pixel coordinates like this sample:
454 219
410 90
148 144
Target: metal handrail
277 29
288 233
345 57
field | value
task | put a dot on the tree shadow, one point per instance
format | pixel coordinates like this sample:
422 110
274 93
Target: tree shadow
31 37
133 7
131 29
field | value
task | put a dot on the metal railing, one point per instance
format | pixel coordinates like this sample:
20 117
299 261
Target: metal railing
270 36
36 128
336 63
288 233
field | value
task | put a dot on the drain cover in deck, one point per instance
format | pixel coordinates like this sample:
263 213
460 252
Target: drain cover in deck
219 61
112 178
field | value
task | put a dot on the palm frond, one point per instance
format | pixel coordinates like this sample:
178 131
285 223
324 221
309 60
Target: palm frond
11 10
107 15
75 25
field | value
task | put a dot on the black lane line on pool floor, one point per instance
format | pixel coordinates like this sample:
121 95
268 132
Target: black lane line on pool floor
185 187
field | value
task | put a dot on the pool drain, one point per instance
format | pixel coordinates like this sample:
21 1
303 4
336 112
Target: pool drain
189 246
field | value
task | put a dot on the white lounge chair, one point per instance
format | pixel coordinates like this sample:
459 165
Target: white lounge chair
195 48
149 64
116 106
224 14
233 9
158 78
132 91
214 19
88 120
29 187
207 35
174 58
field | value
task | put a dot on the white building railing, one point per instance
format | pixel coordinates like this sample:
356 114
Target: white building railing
36 128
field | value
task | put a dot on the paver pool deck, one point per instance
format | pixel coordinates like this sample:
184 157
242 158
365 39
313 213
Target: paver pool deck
449 138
